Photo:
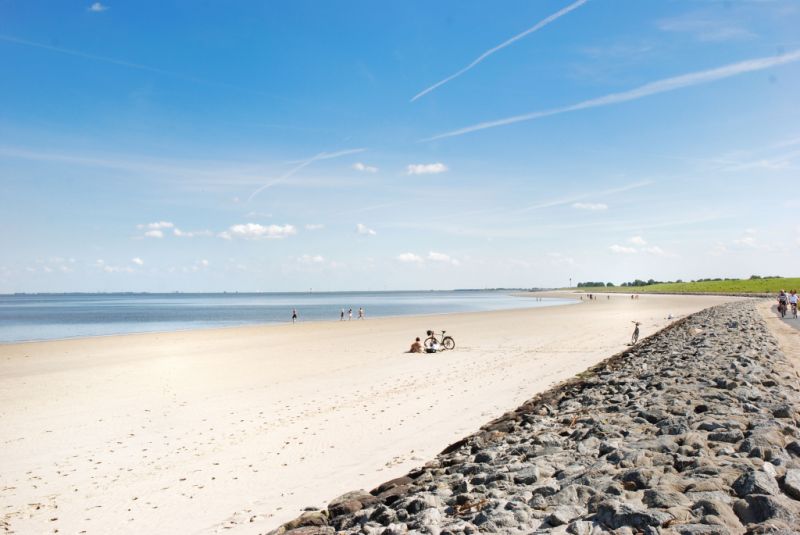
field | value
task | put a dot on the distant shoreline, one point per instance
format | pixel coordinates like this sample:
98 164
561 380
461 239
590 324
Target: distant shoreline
562 300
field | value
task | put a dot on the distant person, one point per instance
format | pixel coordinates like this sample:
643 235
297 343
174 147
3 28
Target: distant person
294 316
360 313
341 315
349 314
635 335
793 301
782 300
416 347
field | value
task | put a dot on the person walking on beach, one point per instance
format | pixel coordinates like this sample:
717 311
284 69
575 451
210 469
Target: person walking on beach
294 316
341 315
635 335
349 314
360 313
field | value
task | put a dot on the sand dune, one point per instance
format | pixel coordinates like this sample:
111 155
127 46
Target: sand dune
238 429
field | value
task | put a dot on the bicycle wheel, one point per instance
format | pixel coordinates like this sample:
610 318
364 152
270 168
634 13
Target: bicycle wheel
429 342
448 342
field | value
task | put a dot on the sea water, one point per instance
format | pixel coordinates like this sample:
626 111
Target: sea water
25 317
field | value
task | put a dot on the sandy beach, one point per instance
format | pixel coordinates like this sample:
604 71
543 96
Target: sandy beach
238 429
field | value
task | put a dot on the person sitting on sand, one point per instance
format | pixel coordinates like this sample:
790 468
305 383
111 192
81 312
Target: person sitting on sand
416 347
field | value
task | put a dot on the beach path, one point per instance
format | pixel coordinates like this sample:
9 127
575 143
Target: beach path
238 429
785 330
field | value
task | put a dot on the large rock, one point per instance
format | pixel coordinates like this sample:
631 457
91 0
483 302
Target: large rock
351 502
791 483
757 508
616 515
755 483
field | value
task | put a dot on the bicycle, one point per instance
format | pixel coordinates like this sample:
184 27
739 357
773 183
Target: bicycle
782 308
446 342
794 310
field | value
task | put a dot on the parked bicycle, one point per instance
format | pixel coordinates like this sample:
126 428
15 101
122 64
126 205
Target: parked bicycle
440 343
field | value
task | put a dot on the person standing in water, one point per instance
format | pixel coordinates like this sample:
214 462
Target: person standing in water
360 313
349 314
341 315
294 315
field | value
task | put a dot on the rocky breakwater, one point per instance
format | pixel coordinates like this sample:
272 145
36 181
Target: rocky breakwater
693 431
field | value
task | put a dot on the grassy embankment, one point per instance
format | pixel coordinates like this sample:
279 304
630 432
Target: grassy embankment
742 286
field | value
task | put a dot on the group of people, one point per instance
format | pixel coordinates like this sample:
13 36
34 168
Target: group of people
787 299
417 347
361 314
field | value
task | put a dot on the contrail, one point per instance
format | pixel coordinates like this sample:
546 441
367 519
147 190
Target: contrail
660 86
538 26
304 163
570 200
131 65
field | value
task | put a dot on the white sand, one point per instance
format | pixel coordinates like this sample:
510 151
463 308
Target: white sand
195 432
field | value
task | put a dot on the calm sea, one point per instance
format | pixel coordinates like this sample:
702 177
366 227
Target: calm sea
55 316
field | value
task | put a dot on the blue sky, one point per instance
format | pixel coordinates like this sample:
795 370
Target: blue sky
278 146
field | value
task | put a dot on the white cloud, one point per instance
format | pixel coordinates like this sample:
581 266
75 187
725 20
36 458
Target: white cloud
251 231
311 259
621 249
314 226
410 258
590 206
646 90
637 240
441 257
158 225
97 7
426 168
204 263
748 239
101 264
363 229
719 249
138 261
364 168
154 234
190 234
